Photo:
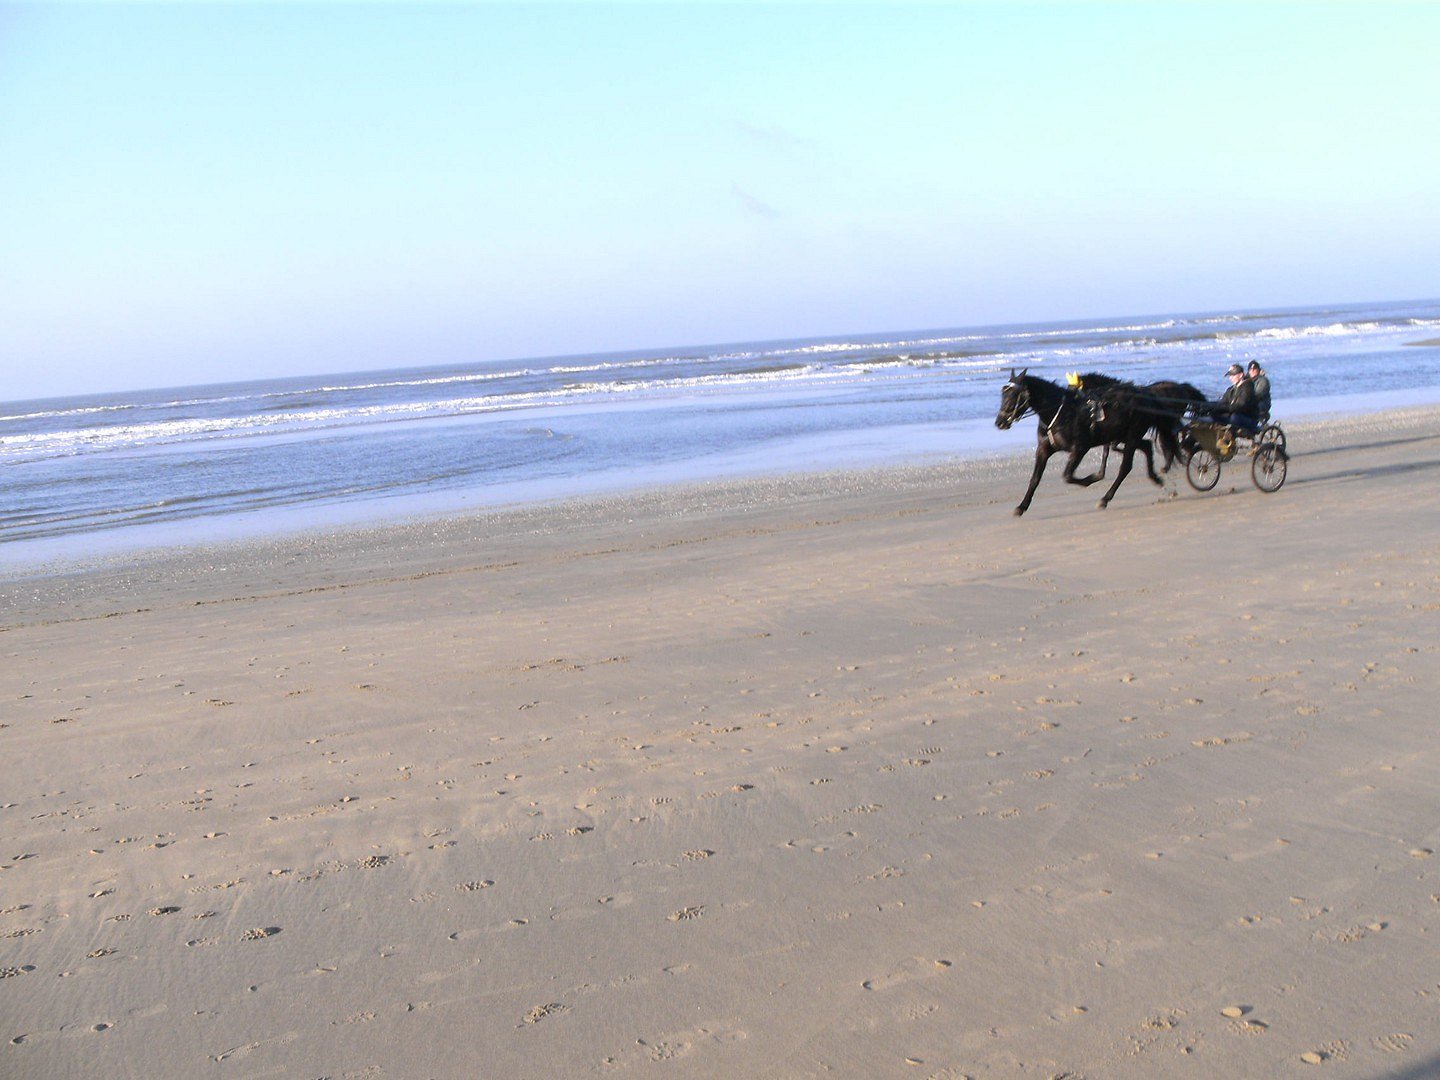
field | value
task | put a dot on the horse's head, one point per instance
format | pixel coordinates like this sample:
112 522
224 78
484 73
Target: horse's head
1014 400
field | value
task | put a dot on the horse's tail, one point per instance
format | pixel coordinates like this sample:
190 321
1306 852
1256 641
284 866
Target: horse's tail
1168 436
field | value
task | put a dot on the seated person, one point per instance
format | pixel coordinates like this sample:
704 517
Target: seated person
1261 382
1237 406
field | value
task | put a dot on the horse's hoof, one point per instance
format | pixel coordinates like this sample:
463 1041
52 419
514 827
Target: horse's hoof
1018 511
1103 503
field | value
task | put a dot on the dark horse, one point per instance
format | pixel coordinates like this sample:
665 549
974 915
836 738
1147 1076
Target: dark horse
1115 413
1170 401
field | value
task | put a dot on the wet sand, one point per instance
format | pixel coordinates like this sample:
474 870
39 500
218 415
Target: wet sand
852 775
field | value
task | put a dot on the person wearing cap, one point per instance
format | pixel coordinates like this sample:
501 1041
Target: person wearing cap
1261 384
1237 405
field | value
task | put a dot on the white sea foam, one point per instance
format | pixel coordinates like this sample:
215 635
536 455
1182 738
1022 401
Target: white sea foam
400 384
51 414
1282 333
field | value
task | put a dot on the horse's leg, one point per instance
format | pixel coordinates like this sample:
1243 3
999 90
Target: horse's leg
1042 455
1074 463
1145 447
1125 463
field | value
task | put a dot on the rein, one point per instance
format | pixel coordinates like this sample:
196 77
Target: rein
1050 427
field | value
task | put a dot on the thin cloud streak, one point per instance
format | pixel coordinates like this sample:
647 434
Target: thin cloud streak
751 205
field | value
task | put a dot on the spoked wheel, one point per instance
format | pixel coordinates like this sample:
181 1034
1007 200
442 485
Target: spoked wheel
1271 435
1268 467
1203 469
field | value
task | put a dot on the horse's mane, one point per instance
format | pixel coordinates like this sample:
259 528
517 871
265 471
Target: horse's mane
1108 388
1096 378
1177 391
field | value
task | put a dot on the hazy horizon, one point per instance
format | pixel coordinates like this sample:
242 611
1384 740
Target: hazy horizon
698 346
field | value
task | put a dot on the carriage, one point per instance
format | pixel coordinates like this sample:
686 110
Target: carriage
1209 445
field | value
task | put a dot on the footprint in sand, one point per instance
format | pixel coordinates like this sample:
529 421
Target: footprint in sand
1222 740
1397 1043
1331 1051
538 1013
664 1050
260 933
917 967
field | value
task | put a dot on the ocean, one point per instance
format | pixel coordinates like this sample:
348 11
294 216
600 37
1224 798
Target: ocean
97 474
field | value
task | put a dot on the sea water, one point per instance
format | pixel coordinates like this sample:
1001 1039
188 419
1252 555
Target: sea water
98 473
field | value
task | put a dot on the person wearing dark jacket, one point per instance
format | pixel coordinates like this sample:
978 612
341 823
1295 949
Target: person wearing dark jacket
1237 405
1261 382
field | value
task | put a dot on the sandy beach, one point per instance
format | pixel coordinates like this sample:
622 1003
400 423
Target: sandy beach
854 775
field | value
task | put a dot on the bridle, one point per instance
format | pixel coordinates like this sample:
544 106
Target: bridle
1023 404
1020 405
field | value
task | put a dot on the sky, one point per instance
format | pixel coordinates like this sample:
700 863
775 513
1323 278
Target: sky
205 192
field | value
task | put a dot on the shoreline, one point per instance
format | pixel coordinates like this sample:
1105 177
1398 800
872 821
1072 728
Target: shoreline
428 541
929 447
851 774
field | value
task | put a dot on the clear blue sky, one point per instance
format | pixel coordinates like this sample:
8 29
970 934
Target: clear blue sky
200 192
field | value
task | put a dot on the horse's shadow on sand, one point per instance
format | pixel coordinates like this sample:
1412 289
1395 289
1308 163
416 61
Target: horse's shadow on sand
1399 469
1379 444
1423 1070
